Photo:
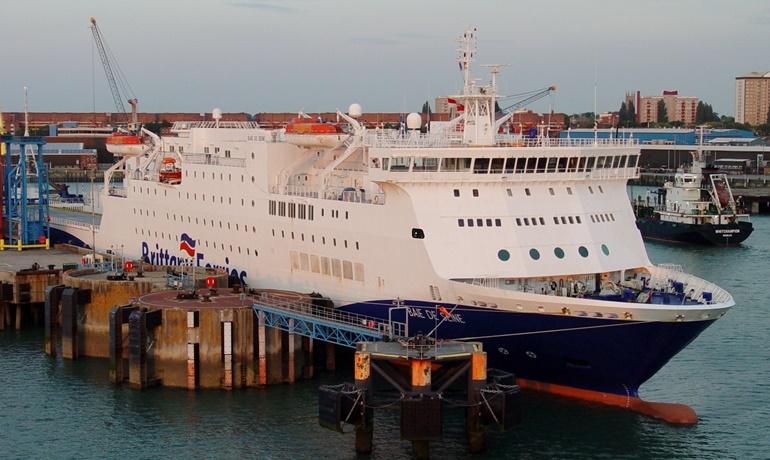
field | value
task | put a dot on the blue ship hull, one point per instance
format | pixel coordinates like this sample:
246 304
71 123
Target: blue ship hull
599 355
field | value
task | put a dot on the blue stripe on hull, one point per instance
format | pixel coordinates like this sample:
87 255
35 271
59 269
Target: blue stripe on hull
610 356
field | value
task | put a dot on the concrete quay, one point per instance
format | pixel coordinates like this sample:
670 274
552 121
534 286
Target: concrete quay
194 334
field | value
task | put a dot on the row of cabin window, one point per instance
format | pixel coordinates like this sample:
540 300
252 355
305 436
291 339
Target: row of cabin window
327 266
198 221
480 222
527 191
312 239
509 165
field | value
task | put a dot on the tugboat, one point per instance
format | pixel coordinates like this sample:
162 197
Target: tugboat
697 207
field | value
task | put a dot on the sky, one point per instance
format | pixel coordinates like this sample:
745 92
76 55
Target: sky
388 56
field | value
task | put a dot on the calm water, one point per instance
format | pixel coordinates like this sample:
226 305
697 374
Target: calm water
50 408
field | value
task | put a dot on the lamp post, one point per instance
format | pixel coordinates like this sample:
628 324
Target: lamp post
93 218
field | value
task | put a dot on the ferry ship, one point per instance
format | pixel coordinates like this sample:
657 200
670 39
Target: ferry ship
526 244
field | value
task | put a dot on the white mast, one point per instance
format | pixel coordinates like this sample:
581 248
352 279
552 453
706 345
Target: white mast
478 103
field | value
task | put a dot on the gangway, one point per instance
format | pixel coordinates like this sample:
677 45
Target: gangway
322 323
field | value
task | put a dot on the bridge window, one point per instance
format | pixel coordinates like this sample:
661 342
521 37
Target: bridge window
510 165
481 166
400 164
497 165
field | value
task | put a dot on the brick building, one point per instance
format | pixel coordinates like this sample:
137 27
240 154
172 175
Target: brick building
678 108
752 98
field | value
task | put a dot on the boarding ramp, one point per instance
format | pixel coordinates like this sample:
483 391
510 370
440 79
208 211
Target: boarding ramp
323 323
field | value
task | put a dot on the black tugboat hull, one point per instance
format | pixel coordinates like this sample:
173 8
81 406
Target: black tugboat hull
719 235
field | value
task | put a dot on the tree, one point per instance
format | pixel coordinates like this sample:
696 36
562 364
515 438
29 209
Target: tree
662 112
426 107
704 113
631 112
623 114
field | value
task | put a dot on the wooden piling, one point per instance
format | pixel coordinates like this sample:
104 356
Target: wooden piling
52 299
193 350
307 352
69 321
331 358
137 346
118 317
290 346
227 355
262 352
476 382
363 381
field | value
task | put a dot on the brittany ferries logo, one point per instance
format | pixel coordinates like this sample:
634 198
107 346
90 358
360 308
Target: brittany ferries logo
187 256
187 245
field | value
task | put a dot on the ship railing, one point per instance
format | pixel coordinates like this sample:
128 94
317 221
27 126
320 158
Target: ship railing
664 276
325 314
442 139
487 281
209 159
347 194
183 126
71 223
118 191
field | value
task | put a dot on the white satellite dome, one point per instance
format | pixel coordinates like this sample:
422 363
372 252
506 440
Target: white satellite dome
413 121
216 114
354 110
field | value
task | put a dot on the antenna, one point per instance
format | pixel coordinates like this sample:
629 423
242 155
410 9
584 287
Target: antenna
596 120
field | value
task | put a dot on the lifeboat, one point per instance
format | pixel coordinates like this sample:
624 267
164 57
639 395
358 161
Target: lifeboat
127 145
312 134
170 172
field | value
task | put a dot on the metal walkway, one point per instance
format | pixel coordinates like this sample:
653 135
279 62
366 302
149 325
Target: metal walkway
322 323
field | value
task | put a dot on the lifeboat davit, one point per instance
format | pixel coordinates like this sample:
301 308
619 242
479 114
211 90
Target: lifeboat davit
312 134
170 172
127 145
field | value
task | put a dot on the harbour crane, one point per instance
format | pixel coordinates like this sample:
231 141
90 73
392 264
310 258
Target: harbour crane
107 58
511 109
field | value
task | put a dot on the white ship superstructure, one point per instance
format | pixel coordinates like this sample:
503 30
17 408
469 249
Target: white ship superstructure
529 243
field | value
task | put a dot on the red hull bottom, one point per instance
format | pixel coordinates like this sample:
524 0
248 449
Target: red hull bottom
669 412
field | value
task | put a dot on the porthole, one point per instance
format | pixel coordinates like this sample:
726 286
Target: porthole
534 253
559 252
583 251
605 250
503 255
